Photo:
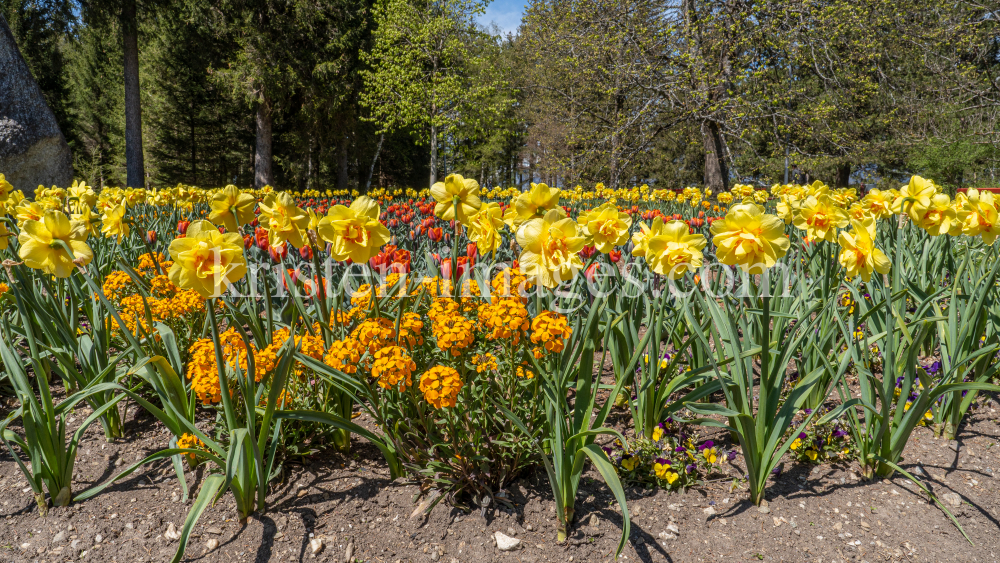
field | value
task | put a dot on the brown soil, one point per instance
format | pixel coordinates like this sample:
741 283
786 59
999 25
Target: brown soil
815 513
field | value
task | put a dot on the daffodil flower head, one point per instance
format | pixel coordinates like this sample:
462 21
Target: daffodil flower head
485 226
232 208
605 227
206 260
979 216
915 197
532 204
675 251
355 232
749 238
113 223
640 239
457 198
283 220
878 203
858 254
44 244
820 217
552 246
939 218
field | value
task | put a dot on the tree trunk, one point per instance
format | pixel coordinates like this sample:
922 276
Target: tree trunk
371 171
434 153
263 157
716 171
194 156
843 175
133 114
342 163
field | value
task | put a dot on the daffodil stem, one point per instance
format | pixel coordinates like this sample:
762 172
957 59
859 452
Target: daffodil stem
455 283
320 296
227 403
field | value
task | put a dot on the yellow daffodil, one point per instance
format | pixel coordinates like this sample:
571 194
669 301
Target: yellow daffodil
355 232
28 211
979 216
787 206
466 190
5 188
232 208
640 239
113 223
551 248
206 260
675 251
283 220
534 203
81 196
485 226
858 212
748 237
915 197
605 227
858 254
4 234
44 242
87 218
820 217
314 219
878 203
939 218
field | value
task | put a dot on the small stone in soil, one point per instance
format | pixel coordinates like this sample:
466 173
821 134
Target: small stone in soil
505 542
315 545
212 544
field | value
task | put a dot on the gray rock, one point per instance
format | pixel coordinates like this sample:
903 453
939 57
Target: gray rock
33 150
59 537
953 499
315 545
505 542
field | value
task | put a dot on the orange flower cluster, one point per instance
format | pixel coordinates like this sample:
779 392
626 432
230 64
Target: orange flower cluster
551 330
344 355
440 386
453 333
505 318
374 334
393 368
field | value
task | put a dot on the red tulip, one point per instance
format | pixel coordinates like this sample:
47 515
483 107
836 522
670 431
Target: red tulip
592 271
306 252
278 252
151 237
615 256
261 236
182 227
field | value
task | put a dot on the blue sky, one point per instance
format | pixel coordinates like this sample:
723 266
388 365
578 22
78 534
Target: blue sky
505 13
